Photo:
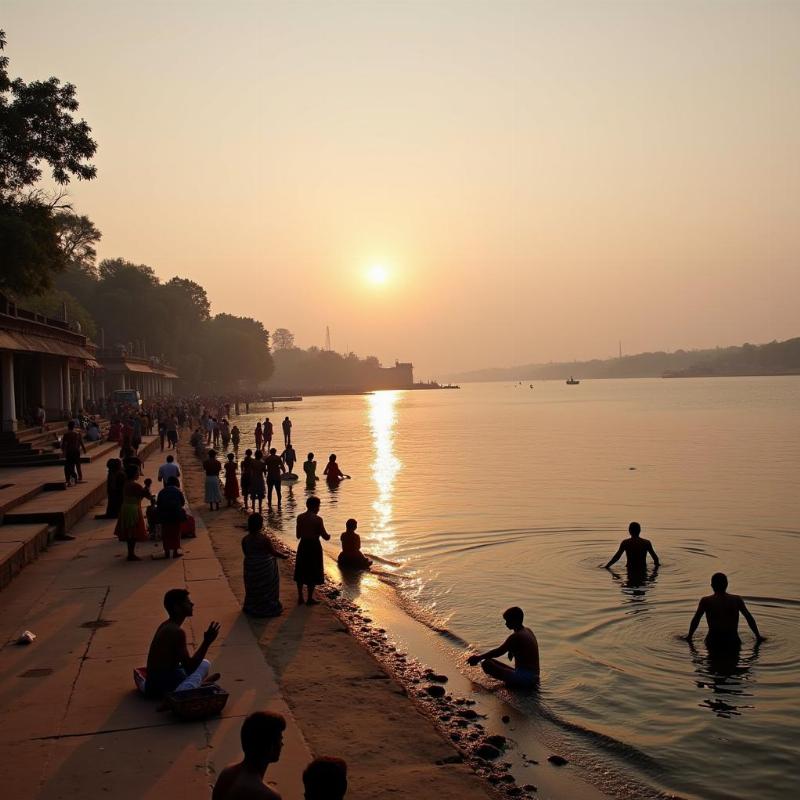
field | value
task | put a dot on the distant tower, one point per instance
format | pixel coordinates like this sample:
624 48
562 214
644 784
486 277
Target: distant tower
620 349
327 337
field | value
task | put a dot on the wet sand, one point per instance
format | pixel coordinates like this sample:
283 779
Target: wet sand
346 694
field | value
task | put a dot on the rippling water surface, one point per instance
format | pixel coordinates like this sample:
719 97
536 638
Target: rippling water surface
499 495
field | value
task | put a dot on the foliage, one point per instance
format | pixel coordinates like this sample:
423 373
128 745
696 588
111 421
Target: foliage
171 320
36 126
324 370
282 339
78 236
189 294
52 303
30 251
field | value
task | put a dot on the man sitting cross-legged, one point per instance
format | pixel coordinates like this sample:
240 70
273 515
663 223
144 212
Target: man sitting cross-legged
262 740
521 646
170 668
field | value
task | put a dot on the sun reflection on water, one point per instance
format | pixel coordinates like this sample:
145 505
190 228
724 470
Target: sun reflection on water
382 417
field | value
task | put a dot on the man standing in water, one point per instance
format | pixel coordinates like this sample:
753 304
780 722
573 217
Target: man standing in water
636 550
275 470
287 431
521 647
722 615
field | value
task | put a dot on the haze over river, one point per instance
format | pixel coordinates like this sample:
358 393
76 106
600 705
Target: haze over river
499 495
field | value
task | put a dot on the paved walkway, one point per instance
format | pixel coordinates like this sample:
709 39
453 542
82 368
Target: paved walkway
73 725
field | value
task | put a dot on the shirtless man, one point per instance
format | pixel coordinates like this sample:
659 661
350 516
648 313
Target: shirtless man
170 668
521 646
262 740
636 550
722 615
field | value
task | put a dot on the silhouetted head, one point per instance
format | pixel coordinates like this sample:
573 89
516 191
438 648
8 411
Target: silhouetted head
286 417
131 472
312 504
351 524
634 529
170 459
113 465
173 481
177 603
248 452
212 453
273 451
258 424
257 455
719 581
325 778
513 617
332 457
255 522
230 457
262 737
310 456
71 425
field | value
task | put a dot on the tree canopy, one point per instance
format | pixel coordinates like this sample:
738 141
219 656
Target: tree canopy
37 127
172 320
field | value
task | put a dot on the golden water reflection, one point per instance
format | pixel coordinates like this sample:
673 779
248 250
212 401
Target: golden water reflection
382 418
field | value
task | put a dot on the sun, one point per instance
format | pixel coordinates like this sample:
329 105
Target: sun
378 274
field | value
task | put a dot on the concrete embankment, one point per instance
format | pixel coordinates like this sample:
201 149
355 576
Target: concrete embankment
74 727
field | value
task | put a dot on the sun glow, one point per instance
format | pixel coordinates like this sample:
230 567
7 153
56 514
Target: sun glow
378 274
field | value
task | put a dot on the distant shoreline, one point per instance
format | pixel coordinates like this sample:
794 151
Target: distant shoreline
638 377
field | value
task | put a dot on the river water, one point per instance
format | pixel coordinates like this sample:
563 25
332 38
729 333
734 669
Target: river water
500 494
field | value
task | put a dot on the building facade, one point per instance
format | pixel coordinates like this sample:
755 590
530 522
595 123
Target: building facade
43 362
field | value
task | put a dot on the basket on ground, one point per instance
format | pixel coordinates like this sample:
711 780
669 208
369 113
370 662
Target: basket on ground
199 703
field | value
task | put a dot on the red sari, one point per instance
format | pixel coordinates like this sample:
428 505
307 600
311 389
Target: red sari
231 482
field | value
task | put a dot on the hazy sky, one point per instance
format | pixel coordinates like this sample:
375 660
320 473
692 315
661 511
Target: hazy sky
541 179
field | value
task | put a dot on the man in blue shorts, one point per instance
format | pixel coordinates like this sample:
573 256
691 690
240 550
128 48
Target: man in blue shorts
522 649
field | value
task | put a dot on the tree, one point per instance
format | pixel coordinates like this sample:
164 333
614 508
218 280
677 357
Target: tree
282 339
36 125
30 251
192 294
78 236
52 304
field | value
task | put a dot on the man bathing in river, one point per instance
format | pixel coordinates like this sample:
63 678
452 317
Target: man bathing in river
170 668
722 615
521 646
636 550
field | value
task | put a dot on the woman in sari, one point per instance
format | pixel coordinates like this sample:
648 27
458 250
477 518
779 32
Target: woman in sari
308 569
130 524
212 469
231 482
261 578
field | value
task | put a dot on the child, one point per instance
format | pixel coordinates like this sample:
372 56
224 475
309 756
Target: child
351 556
231 483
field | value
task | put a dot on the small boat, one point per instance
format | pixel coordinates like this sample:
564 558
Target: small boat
450 386
572 381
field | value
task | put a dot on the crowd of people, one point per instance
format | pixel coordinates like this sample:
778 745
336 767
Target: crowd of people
259 475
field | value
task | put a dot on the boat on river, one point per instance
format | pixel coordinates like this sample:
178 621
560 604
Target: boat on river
572 381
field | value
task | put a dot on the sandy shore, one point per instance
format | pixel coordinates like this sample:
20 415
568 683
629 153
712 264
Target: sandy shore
354 696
